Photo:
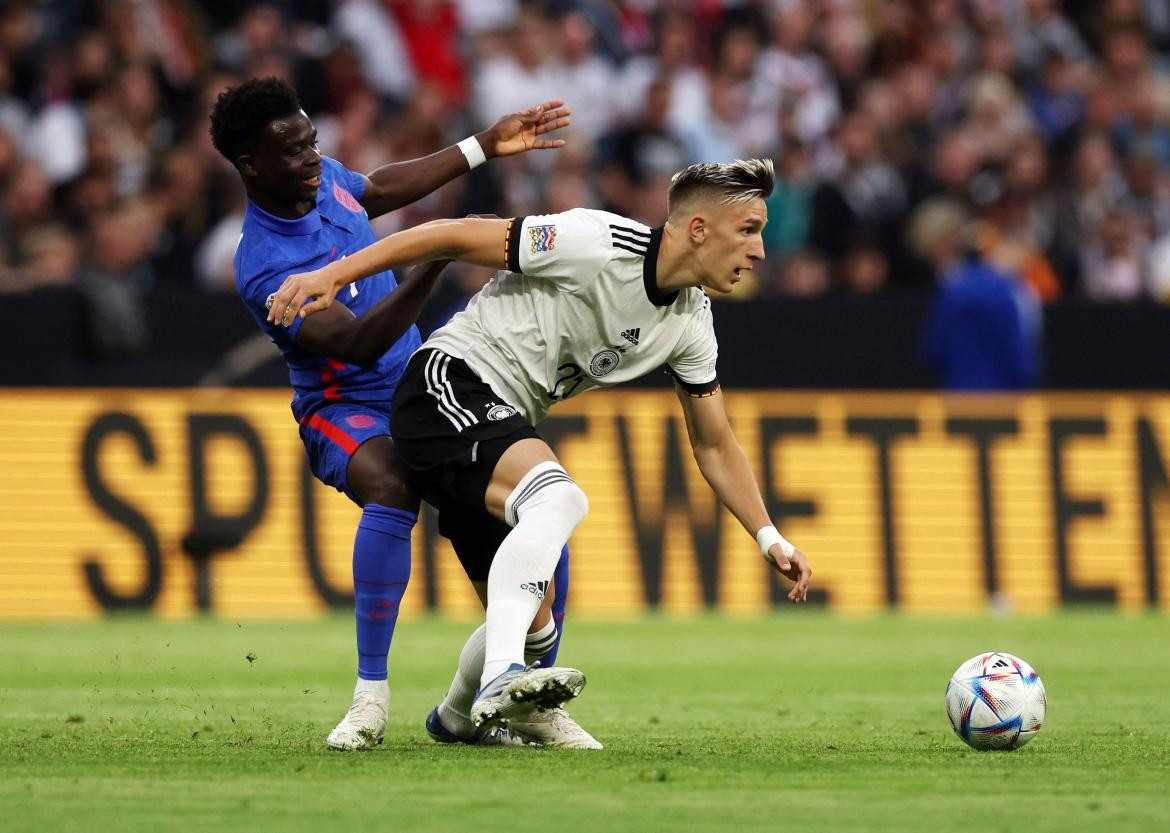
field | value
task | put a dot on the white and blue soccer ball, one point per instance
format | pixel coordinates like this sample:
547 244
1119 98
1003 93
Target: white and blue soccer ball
996 701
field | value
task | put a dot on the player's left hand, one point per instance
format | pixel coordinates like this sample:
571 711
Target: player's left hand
797 570
521 131
290 299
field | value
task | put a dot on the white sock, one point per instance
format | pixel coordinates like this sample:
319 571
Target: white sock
378 689
537 644
544 509
455 710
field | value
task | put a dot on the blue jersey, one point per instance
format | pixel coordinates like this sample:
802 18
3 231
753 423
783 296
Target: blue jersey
271 248
985 329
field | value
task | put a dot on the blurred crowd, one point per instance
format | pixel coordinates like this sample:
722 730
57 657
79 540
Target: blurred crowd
1030 138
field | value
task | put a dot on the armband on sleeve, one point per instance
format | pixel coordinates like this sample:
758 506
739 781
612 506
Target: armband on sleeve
693 389
512 244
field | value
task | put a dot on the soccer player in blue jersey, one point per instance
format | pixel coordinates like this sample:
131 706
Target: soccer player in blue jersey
306 210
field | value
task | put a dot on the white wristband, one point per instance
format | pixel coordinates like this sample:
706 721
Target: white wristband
472 152
767 537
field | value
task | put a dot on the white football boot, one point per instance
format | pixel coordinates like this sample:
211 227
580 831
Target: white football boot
364 725
439 733
553 728
520 690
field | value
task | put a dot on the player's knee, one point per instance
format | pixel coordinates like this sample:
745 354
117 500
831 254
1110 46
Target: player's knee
548 486
573 500
386 488
564 499
376 475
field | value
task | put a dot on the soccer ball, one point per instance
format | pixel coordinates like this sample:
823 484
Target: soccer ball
996 701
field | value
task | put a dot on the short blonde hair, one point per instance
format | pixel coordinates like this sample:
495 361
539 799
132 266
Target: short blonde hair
730 183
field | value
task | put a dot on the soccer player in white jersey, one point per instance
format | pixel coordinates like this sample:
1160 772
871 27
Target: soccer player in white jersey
587 299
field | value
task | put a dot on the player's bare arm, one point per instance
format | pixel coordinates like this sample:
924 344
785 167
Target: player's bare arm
401 183
471 240
725 467
361 340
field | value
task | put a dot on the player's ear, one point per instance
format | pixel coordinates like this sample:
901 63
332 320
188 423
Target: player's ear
246 164
697 229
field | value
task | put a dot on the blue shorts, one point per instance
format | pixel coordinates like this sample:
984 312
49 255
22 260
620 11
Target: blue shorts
332 434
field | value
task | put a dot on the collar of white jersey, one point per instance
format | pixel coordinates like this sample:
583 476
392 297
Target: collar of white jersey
650 272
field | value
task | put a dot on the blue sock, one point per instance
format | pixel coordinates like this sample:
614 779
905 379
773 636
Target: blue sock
381 570
561 583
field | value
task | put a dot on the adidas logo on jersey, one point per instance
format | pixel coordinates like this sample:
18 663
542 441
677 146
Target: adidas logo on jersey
536 588
631 335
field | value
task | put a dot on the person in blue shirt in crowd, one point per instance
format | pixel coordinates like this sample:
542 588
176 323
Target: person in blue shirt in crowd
305 210
983 332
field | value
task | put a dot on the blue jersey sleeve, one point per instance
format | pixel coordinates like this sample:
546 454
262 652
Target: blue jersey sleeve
352 181
257 293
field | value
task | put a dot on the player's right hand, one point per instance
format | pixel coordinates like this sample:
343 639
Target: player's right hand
797 571
522 131
289 300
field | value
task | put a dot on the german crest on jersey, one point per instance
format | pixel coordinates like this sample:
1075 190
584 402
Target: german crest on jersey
497 412
604 363
544 238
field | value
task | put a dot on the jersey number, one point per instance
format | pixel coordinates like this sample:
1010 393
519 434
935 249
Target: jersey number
569 378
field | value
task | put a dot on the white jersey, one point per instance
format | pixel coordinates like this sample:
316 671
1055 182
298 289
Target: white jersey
578 309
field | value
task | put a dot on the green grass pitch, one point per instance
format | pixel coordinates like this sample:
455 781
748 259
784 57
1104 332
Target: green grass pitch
802 721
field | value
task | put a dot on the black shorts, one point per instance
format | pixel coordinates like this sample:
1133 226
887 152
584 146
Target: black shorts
452 429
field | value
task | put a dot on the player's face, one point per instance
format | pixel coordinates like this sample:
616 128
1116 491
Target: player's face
733 243
286 163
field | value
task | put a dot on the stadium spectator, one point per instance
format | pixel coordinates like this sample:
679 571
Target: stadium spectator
1038 29
581 69
213 258
847 45
27 205
792 70
115 277
520 68
55 136
804 274
431 32
637 160
983 331
1159 269
863 198
1049 119
1057 98
790 204
1114 259
996 116
14 111
259 31
1097 188
379 43
673 60
865 269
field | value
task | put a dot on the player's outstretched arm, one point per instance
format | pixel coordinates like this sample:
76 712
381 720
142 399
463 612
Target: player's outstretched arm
401 183
472 240
362 340
725 467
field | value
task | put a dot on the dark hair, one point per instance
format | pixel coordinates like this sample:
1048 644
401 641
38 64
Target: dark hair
240 111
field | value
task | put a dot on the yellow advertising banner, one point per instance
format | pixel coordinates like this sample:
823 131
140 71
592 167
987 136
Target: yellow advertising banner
200 500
